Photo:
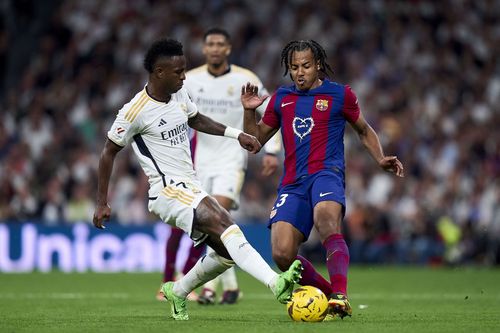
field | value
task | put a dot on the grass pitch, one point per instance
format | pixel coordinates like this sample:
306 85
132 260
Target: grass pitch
385 299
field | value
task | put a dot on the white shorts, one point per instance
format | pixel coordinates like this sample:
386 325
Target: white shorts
226 183
175 205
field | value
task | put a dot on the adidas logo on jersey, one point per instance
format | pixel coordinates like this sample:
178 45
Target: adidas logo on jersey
162 123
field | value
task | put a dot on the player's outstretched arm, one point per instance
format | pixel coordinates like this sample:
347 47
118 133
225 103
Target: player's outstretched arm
370 140
251 100
106 161
207 125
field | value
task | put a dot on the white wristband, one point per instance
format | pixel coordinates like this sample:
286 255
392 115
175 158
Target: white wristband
232 132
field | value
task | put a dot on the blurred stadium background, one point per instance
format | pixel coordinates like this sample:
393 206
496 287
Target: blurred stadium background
426 73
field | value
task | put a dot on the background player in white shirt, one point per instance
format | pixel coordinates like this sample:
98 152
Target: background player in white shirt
157 120
220 164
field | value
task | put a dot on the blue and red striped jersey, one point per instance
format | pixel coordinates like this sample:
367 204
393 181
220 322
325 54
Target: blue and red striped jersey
312 125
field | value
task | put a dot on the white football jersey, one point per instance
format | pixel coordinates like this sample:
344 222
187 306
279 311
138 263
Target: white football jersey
219 98
159 135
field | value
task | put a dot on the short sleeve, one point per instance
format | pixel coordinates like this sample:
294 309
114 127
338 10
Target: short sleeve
123 129
187 103
271 117
351 108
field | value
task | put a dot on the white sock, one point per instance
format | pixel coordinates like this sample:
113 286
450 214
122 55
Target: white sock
245 256
207 267
212 284
228 279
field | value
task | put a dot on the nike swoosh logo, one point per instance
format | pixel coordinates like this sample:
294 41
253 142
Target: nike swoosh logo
323 194
285 104
175 309
331 254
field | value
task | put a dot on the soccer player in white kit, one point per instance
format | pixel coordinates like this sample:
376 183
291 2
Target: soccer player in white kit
220 164
157 120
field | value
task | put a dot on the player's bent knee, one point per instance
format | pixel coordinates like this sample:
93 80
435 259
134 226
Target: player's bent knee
220 221
328 217
211 218
225 221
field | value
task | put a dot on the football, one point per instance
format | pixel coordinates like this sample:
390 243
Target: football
308 304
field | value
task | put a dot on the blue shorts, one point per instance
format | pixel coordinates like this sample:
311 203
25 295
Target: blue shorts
295 202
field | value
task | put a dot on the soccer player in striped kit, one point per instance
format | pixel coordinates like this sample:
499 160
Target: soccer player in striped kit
312 114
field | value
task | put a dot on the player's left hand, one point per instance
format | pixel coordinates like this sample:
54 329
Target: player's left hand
249 142
250 98
269 164
392 164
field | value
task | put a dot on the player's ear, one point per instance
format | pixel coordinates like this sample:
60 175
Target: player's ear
228 51
318 64
158 72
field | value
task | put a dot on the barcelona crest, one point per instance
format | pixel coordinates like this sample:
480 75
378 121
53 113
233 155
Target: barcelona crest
322 104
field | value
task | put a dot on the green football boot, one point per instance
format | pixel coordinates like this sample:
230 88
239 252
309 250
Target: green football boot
177 304
286 281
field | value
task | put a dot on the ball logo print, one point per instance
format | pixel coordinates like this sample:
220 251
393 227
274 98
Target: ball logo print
302 127
308 304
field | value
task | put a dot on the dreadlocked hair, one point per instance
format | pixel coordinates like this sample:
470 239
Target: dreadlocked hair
301 45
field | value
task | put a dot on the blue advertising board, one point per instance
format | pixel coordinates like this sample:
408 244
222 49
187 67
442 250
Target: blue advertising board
80 247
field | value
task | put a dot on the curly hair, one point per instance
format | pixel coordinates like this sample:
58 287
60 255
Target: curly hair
165 47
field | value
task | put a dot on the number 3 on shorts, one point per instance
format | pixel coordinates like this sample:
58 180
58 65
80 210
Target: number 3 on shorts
281 200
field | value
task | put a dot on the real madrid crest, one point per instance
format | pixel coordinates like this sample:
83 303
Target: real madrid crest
230 91
322 104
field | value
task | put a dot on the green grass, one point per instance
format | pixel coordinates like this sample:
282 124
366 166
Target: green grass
385 299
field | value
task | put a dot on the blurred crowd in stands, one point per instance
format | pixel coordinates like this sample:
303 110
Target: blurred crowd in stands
426 74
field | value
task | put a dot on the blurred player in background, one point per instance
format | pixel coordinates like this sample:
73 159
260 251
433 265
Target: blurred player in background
156 122
312 114
220 164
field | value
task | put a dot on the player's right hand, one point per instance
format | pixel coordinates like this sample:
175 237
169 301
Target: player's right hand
249 142
101 214
250 98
